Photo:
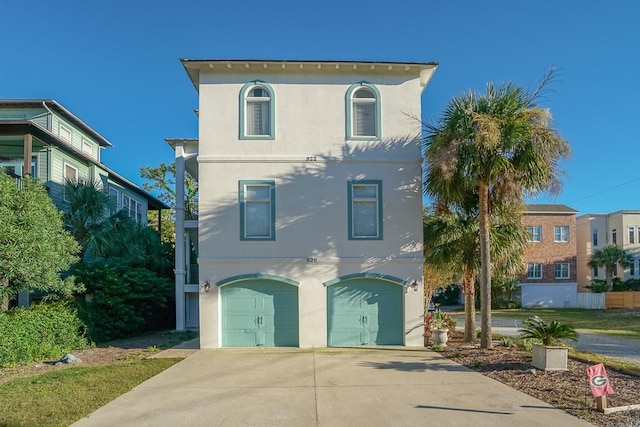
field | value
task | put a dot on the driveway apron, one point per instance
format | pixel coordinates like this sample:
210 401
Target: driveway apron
324 387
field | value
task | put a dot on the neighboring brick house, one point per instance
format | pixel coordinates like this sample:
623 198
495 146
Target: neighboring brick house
551 276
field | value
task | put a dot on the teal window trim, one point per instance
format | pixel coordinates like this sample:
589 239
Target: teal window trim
349 112
272 110
350 185
272 209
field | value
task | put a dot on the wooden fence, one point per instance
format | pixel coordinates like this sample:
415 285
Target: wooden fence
627 299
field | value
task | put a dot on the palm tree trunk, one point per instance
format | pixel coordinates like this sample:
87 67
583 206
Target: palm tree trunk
469 308
485 268
608 275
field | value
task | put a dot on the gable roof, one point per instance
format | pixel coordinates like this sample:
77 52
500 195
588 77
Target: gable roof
51 104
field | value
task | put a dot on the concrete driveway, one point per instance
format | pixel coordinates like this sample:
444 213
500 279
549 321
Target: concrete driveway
324 387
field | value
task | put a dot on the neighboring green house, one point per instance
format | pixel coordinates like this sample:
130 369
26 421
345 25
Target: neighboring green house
41 138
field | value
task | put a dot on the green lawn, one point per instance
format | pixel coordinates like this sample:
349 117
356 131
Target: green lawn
62 397
624 323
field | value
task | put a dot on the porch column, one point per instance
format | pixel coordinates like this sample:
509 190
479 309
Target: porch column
180 250
28 144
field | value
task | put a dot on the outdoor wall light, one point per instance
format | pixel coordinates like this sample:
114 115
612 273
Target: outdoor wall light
414 286
207 286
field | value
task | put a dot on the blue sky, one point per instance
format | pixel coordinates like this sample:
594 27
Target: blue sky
115 64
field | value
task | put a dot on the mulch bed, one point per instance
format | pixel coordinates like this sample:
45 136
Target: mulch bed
567 390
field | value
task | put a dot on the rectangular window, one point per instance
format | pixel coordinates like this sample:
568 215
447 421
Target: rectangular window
614 236
535 233
64 133
534 270
365 210
126 202
70 175
594 237
86 147
114 195
138 212
594 272
561 233
562 270
257 210
632 267
632 234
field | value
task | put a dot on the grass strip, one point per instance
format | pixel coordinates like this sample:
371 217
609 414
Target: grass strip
62 397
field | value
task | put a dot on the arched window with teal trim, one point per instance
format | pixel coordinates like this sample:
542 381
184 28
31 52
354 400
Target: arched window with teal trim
257 111
363 111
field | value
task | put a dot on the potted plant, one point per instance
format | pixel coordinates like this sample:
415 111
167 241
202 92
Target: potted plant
548 354
441 322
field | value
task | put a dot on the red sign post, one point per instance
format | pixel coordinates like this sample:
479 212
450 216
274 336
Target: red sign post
600 385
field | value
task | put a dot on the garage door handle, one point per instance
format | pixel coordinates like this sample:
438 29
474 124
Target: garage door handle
366 320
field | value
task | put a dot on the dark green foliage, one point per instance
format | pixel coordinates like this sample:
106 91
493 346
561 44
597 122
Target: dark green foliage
598 286
627 285
40 332
547 333
448 295
34 248
124 300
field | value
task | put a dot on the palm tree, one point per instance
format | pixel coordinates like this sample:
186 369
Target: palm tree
501 144
452 241
87 217
609 257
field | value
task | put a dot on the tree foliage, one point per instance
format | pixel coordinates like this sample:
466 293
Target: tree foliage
34 247
499 145
88 217
609 257
452 242
162 181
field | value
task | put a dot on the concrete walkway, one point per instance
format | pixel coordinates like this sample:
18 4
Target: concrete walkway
607 345
324 387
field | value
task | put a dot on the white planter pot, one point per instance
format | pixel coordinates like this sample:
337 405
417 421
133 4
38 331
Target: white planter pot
440 337
550 358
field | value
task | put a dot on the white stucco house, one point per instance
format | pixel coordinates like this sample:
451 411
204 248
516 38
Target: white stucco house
309 225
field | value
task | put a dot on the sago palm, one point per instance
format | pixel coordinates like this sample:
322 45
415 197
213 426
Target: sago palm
547 333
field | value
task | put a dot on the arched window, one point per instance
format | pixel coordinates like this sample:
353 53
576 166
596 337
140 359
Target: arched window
363 112
256 111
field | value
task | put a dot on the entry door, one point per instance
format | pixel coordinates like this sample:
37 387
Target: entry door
365 312
259 313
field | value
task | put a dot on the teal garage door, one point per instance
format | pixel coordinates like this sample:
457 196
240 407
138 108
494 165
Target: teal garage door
365 312
259 312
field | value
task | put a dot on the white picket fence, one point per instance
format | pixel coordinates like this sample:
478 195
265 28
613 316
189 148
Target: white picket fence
591 301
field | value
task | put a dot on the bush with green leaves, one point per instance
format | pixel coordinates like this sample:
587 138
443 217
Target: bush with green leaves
42 331
598 286
124 301
34 247
547 333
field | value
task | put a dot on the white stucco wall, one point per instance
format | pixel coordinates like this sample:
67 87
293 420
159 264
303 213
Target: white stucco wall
311 197
549 295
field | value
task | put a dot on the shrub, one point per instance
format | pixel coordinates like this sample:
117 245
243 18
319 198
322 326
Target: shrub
597 286
124 301
548 333
42 331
